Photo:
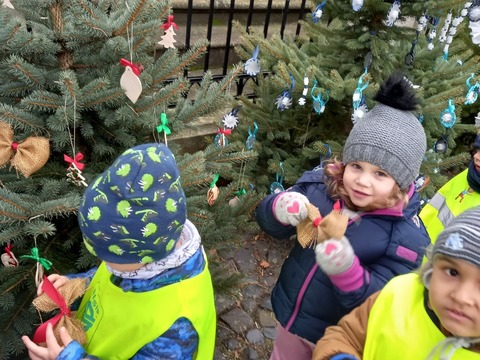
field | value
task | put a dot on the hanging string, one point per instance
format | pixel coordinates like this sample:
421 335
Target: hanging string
130 37
41 263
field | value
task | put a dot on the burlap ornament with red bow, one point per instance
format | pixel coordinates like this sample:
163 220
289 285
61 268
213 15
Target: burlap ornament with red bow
26 156
61 299
316 229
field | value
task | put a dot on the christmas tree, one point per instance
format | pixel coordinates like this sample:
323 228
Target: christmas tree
319 83
81 84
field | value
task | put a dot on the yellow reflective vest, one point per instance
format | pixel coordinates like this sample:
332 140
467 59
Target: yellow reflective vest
399 326
452 199
119 323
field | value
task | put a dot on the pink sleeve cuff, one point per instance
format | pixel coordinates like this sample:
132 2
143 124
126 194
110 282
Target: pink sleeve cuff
351 279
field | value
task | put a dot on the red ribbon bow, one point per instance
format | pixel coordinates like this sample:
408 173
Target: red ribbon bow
40 333
137 69
223 131
169 23
75 161
8 249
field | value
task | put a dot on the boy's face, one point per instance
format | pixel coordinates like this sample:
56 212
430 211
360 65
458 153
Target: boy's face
454 295
366 184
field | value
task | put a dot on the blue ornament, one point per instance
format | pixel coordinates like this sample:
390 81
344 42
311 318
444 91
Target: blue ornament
448 117
441 146
317 14
318 101
472 93
276 186
220 140
358 93
250 143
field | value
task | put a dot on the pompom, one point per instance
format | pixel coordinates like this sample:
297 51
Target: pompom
397 93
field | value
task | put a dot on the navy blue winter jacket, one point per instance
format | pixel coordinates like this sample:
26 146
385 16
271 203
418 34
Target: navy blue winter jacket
388 242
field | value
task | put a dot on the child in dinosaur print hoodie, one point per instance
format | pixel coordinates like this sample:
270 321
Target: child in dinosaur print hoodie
151 297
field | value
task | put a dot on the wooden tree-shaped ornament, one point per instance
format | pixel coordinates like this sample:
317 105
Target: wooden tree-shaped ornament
167 39
316 229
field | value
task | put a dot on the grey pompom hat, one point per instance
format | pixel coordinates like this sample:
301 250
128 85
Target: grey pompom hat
392 139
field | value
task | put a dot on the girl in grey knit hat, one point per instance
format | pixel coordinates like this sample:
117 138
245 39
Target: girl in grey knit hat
373 187
431 315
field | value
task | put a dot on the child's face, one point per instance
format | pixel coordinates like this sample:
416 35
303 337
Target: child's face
476 159
454 295
367 184
125 267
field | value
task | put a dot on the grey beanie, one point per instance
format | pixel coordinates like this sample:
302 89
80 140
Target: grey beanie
461 237
390 136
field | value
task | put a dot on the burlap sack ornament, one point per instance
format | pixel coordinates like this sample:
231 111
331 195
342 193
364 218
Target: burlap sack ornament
316 229
26 156
60 299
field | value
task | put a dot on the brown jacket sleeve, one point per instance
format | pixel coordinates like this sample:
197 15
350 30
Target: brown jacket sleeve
348 337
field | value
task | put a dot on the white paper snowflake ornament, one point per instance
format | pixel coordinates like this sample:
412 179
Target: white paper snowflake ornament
284 100
474 13
359 113
252 65
475 31
230 120
357 5
393 13
318 12
477 120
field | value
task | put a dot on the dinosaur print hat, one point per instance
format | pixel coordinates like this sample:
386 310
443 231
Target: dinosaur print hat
135 210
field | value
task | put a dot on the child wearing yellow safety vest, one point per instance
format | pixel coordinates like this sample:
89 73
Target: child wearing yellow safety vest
459 194
431 315
152 296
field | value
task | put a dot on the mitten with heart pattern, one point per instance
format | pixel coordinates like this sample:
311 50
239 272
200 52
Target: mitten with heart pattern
289 208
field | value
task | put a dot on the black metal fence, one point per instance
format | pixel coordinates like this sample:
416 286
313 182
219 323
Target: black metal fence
286 15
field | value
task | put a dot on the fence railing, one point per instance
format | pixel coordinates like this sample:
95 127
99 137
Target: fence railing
286 15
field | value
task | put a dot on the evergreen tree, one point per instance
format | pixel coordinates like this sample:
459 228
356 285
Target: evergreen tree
343 52
64 93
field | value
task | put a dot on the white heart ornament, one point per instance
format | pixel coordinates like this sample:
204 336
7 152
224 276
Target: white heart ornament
8 4
131 84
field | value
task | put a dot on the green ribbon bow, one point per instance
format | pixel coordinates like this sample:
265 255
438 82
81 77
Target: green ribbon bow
215 179
163 127
36 256
240 192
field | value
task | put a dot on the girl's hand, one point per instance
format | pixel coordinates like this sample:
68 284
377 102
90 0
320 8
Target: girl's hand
53 348
334 256
57 281
290 208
